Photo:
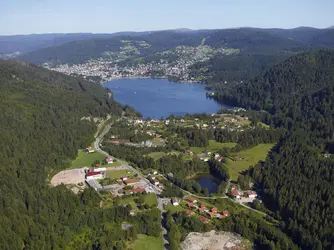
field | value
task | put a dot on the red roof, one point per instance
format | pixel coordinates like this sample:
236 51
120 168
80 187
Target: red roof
211 214
135 190
222 217
190 198
225 213
214 209
251 192
97 165
190 213
155 180
131 181
190 204
89 173
234 192
203 205
203 219
201 209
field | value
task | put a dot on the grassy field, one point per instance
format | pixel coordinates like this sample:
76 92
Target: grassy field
151 200
86 159
156 155
250 157
118 174
115 164
214 146
145 242
129 200
173 209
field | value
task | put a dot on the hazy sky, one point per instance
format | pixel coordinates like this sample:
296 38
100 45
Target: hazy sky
107 16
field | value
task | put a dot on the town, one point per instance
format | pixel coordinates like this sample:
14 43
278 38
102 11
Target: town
174 63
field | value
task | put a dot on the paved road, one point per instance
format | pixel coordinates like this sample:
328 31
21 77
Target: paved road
97 143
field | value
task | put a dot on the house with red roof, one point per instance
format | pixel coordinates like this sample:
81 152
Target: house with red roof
211 214
190 213
134 190
251 194
203 205
192 199
204 220
226 213
109 160
214 210
201 209
190 204
131 181
94 175
90 149
235 193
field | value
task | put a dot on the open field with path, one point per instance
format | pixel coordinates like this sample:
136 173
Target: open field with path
85 159
214 146
249 157
145 242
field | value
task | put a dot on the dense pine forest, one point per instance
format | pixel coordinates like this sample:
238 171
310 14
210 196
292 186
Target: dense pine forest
41 131
297 180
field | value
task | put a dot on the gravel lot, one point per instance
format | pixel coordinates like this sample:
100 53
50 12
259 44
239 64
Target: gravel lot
72 176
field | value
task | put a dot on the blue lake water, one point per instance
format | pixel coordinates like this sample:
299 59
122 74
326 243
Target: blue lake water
161 98
208 181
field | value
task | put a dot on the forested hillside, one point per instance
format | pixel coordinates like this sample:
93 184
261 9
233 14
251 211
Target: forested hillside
297 181
41 130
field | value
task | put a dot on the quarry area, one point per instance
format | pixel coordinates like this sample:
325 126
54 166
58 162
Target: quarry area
215 241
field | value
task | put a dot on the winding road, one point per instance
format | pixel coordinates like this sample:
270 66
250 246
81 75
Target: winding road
97 147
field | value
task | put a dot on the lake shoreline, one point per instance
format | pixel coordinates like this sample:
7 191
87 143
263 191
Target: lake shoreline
148 77
168 98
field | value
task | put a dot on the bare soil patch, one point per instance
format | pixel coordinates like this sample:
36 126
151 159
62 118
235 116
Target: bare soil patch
71 176
214 241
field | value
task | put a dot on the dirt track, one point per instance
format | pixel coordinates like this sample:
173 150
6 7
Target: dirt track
213 241
72 176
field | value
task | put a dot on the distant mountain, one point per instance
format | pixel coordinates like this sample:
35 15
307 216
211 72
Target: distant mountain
28 43
248 40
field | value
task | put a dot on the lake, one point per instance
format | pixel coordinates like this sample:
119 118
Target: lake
160 98
207 181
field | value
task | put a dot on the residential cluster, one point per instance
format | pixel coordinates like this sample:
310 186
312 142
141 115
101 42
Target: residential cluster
117 64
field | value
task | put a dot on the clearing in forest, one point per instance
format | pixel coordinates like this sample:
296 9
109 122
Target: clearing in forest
245 158
145 242
85 159
214 146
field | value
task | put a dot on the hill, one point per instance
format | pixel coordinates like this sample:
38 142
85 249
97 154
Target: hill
211 56
296 179
28 43
42 130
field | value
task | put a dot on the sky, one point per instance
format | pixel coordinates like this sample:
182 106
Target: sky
108 16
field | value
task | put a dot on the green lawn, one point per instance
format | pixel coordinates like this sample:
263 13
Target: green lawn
156 155
173 209
214 146
86 159
118 174
145 242
129 200
151 200
251 157
114 164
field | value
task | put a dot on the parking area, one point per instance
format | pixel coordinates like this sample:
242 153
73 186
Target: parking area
72 176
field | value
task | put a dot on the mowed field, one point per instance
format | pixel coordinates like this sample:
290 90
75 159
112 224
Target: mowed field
250 157
119 174
85 159
214 146
145 242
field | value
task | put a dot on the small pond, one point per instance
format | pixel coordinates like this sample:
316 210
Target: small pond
208 181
